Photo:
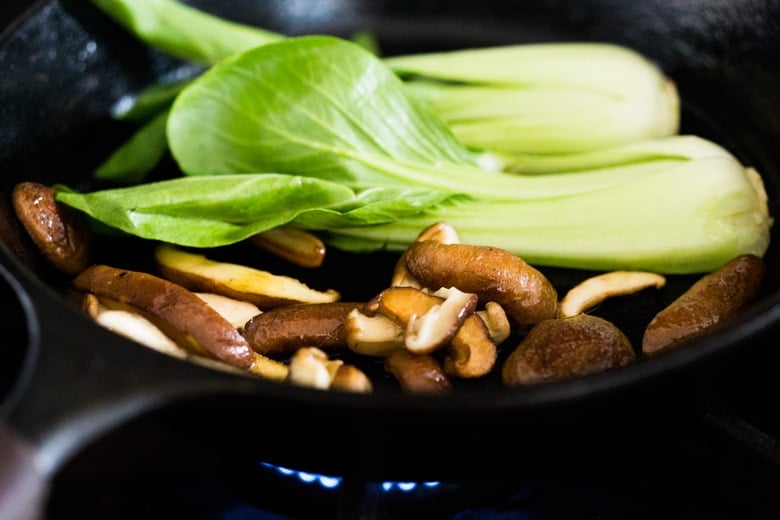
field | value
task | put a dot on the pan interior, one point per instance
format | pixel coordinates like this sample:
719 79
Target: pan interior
75 66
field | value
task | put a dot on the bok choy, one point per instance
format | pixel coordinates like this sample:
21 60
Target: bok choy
520 104
317 133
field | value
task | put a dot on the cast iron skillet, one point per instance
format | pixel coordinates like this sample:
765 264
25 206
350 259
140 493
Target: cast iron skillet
67 381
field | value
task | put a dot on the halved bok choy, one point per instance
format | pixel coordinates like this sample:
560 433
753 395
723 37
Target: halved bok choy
523 106
384 166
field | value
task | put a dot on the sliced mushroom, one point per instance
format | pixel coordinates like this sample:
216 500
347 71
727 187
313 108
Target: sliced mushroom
237 312
182 338
418 373
375 336
714 299
594 290
401 303
349 378
310 367
439 232
297 246
427 332
562 348
264 289
132 325
472 353
59 232
494 274
496 321
174 304
281 331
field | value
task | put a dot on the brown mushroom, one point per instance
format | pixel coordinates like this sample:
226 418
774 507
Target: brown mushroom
264 289
297 246
430 321
427 332
375 335
418 373
281 331
236 312
439 232
471 353
714 299
496 321
310 366
562 348
132 325
493 274
60 233
174 304
349 378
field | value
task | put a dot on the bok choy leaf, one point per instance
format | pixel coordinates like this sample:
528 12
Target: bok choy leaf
324 109
183 31
521 104
210 211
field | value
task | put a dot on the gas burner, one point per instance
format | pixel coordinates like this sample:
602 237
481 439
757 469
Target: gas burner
144 470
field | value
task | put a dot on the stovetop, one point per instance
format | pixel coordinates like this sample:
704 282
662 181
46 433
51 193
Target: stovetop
720 460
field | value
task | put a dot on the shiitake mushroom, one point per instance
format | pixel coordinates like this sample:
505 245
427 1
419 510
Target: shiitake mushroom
562 348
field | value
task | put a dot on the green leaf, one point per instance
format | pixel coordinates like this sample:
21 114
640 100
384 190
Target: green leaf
131 162
183 31
314 105
150 102
209 211
324 107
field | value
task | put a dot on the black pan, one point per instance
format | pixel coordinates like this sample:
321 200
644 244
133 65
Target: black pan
67 381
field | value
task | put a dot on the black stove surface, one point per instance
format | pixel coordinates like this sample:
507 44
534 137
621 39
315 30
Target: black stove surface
720 460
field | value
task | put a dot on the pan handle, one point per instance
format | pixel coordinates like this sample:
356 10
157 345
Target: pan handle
23 484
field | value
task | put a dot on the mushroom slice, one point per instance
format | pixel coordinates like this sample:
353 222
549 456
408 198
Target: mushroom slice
237 312
131 325
439 232
594 290
280 332
493 274
496 321
401 303
401 275
375 336
297 246
264 289
172 303
139 329
136 327
58 231
408 306
309 366
472 353
435 328
349 378
710 302
268 368
418 373
182 338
